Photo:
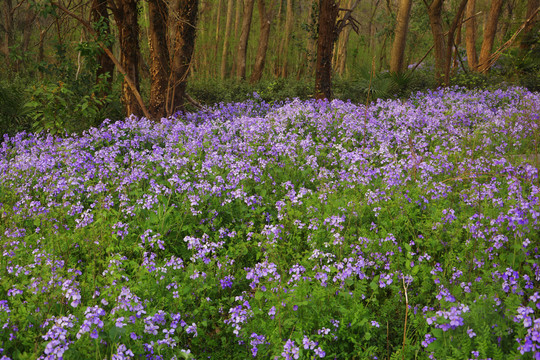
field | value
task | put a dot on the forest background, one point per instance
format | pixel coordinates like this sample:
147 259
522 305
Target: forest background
66 65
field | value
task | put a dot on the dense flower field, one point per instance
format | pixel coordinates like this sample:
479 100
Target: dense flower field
407 229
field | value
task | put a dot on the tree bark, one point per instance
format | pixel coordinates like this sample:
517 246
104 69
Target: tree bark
106 65
186 18
470 35
525 43
400 37
341 58
237 17
125 14
311 51
489 35
244 37
158 13
436 24
340 48
226 39
28 27
218 23
260 59
450 43
8 30
328 12
278 40
289 22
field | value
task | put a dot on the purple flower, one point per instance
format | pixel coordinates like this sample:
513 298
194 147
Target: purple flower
290 350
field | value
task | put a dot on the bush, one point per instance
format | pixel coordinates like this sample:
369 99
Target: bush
13 114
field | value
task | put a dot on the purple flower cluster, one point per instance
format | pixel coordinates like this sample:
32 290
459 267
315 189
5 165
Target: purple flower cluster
245 218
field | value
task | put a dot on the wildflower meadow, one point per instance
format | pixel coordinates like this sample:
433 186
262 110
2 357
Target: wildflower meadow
406 229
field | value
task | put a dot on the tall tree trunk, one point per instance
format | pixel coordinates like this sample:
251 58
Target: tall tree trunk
158 13
278 42
470 35
8 30
525 43
328 12
106 65
226 39
400 37
28 27
340 48
289 22
218 23
186 31
489 35
125 14
244 37
507 19
237 17
435 21
451 40
341 58
371 27
237 21
260 59
311 51
457 59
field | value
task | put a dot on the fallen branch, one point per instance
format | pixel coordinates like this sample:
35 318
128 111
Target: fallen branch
193 102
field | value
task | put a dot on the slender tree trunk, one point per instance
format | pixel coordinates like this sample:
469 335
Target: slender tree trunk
260 59
507 19
340 48
278 42
289 22
184 44
218 23
451 40
106 65
311 51
470 35
226 39
125 14
526 43
439 46
237 17
244 37
28 27
328 12
158 13
41 46
457 59
237 22
489 35
374 5
341 58
400 37
8 30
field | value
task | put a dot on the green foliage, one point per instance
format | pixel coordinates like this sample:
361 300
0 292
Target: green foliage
61 107
210 92
13 114
470 80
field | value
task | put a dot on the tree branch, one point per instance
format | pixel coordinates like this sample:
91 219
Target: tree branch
495 56
107 51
